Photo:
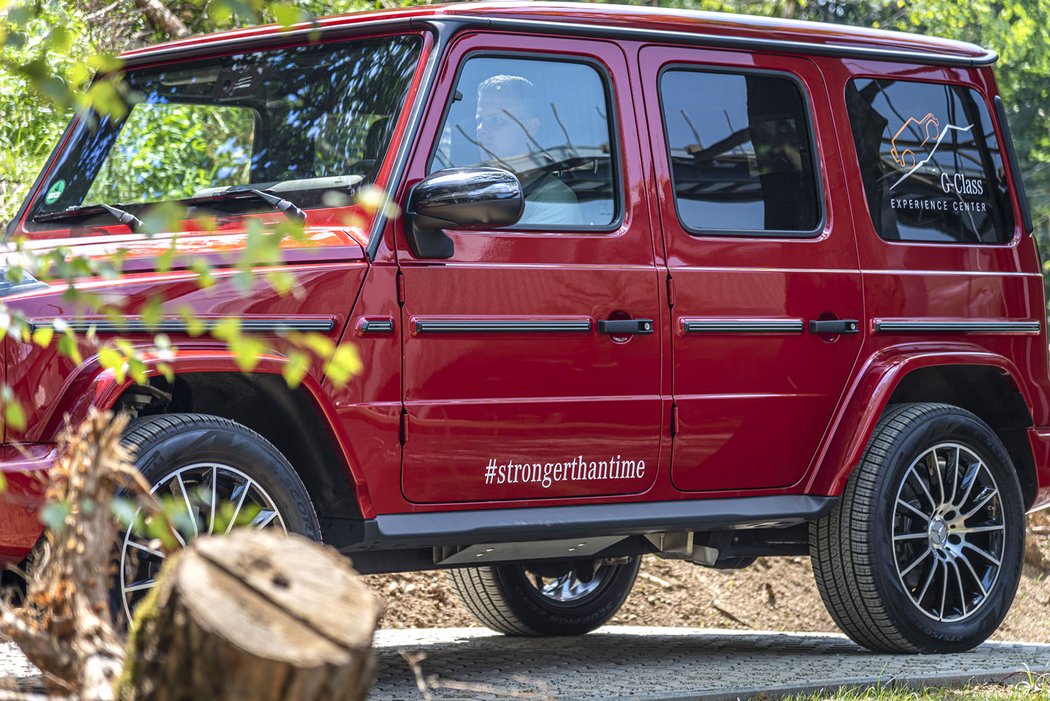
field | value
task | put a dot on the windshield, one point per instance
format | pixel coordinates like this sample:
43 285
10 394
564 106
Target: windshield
311 124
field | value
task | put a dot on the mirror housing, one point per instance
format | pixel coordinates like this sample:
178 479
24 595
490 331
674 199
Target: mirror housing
460 198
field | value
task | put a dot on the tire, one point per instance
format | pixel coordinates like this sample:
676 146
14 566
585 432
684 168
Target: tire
507 598
193 450
892 563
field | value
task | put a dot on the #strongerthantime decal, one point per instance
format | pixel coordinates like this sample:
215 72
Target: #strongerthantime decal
576 470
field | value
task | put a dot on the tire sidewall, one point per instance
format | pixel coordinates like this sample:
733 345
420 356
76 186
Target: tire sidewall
970 432
547 617
239 448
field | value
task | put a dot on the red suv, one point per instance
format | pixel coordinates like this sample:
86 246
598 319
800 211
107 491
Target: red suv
696 285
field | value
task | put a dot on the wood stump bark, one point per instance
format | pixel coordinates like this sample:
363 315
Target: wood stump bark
253 615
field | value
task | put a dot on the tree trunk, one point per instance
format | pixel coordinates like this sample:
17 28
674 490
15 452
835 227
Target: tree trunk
163 19
253 615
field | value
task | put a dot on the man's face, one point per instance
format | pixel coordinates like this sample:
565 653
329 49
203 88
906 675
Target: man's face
503 127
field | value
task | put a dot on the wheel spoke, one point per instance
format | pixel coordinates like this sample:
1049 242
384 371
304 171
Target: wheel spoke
190 511
955 479
263 519
980 583
237 507
566 586
969 487
944 592
982 552
910 536
980 505
140 586
911 508
915 473
915 563
980 529
147 549
962 592
935 467
929 581
214 497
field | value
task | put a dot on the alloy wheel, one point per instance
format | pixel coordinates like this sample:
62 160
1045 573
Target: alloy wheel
949 532
202 488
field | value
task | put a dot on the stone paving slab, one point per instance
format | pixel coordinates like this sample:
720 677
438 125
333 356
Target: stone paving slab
622 663
651 664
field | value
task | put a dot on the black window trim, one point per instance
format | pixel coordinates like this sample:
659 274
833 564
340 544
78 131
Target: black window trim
818 174
893 76
615 150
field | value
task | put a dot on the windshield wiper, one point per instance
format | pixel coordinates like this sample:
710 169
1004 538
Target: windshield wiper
121 215
286 207
124 217
289 208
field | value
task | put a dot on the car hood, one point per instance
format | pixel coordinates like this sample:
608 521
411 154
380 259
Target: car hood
142 253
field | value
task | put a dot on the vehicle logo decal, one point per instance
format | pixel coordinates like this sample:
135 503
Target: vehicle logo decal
927 126
55 192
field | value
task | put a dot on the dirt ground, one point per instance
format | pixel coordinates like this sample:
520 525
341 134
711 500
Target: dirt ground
771 594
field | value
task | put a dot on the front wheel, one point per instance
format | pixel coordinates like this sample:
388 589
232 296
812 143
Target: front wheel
924 551
546 598
217 473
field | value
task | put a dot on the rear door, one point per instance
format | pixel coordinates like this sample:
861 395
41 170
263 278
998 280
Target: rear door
758 250
512 388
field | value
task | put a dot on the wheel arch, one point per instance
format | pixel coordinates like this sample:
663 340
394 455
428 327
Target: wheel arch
982 383
300 422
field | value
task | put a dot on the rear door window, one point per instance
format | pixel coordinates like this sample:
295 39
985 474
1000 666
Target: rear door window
930 162
741 153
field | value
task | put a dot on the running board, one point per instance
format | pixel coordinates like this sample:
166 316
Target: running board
438 529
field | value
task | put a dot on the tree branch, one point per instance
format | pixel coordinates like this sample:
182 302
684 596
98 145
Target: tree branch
163 19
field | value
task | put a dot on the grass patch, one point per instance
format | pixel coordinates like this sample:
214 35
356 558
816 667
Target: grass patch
1033 688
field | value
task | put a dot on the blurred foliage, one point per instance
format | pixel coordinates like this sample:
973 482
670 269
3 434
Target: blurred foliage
173 151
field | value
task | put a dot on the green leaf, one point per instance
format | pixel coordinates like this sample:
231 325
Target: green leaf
296 368
54 514
125 510
14 415
43 335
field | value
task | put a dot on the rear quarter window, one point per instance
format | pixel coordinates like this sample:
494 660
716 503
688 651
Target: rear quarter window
930 163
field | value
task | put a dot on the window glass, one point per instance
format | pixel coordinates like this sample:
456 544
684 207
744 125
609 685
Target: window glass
548 123
930 162
740 153
311 124
172 151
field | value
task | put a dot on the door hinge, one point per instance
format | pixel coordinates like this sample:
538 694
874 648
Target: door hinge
674 420
670 291
400 288
402 431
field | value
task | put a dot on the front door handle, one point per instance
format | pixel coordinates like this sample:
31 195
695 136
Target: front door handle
835 326
624 327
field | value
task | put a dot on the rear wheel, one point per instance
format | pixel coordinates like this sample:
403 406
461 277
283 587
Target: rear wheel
218 473
546 598
924 551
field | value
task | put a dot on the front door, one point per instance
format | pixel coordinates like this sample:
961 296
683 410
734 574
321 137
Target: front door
514 387
767 302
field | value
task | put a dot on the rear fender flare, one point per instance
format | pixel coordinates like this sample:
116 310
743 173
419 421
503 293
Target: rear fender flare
868 397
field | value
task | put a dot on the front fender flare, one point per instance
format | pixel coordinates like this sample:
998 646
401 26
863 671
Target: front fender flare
94 386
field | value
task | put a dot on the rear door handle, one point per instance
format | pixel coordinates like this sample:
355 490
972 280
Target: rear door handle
624 327
835 326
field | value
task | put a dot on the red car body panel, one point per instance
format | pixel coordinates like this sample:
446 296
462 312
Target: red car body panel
721 416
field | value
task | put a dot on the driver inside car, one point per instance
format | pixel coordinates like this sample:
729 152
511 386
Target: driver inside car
507 120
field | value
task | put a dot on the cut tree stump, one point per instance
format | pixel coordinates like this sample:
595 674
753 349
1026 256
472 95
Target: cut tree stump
253 615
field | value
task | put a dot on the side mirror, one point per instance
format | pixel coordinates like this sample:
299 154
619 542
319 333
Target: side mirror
460 198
